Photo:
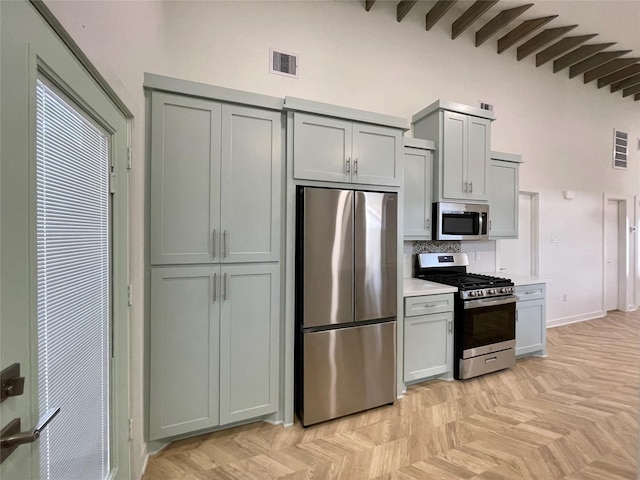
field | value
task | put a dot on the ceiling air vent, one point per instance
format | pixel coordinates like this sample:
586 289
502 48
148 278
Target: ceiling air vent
283 63
620 149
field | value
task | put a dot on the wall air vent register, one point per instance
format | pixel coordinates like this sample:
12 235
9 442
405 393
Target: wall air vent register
620 149
283 63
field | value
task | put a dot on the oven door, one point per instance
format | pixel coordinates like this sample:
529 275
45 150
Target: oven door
488 325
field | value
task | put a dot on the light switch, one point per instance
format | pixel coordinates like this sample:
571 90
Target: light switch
554 239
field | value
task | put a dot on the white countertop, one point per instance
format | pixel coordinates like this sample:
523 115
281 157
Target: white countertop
414 287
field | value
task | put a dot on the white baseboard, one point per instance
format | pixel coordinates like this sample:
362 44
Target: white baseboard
557 322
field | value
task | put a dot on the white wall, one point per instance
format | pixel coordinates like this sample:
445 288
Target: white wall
367 60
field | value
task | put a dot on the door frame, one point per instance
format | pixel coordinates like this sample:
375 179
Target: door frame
120 423
534 253
623 251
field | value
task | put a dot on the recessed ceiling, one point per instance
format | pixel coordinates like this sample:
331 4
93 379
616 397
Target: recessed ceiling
595 42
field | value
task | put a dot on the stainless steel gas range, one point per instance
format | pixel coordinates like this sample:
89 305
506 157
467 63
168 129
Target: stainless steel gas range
484 314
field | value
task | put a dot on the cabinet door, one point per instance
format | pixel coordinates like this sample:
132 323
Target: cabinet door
503 199
183 369
249 341
418 168
251 184
375 155
478 145
321 148
428 346
453 155
185 175
530 327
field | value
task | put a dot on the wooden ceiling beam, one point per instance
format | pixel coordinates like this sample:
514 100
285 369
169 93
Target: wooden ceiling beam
437 11
560 47
626 82
521 31
608 68
594 61
578 54
368 4
499 21
404 7
619 76
631 90
541 39
472 13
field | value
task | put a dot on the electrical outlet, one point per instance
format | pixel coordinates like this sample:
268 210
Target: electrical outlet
554 239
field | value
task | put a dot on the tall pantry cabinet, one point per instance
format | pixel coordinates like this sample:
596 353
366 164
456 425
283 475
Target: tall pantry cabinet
214 253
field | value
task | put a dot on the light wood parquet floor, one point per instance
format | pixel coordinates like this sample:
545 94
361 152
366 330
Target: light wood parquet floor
570 416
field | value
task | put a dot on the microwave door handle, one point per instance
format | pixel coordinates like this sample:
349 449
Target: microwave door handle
480 223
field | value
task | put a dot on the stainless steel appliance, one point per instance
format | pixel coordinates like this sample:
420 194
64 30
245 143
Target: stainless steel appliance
346 302
460 221
484 314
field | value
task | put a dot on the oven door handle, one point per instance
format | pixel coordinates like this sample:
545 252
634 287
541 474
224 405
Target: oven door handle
490 302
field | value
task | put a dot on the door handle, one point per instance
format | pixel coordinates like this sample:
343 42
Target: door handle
11 437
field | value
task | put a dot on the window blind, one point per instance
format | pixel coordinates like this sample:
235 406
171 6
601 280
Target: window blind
73 269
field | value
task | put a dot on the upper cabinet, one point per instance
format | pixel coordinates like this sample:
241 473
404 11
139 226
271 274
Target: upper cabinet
462 137
215 181
418 175
334 146
504 195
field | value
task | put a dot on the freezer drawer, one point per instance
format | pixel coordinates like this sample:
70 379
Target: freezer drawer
347 370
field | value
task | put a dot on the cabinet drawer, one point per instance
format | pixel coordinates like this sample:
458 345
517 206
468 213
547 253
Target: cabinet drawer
530 292
427 304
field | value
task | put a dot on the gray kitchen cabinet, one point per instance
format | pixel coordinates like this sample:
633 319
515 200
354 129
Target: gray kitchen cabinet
428 337
337 150
215 181
418 173
531 324
462 137
214 346
504 195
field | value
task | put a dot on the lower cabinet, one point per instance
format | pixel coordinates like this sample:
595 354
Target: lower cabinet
214 346
531 324
428 337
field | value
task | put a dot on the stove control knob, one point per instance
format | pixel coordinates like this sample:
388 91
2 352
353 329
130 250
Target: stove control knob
491 292
472 294
504 290
479 293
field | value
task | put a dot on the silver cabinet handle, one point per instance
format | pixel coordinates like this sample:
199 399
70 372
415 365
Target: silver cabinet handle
224 243
470 186
450 326
465 187
213 241
348 164
516 315
224 287
489 225
427 223
12 437
215 287
355 165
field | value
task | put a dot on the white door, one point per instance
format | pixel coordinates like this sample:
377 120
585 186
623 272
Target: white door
60 132
518 255
612 254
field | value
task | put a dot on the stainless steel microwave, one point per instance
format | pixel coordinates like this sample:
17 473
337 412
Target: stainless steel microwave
460 221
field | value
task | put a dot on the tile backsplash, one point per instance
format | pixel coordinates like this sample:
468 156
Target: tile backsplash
482 255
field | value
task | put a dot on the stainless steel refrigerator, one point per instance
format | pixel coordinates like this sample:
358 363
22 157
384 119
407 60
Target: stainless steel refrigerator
346 302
